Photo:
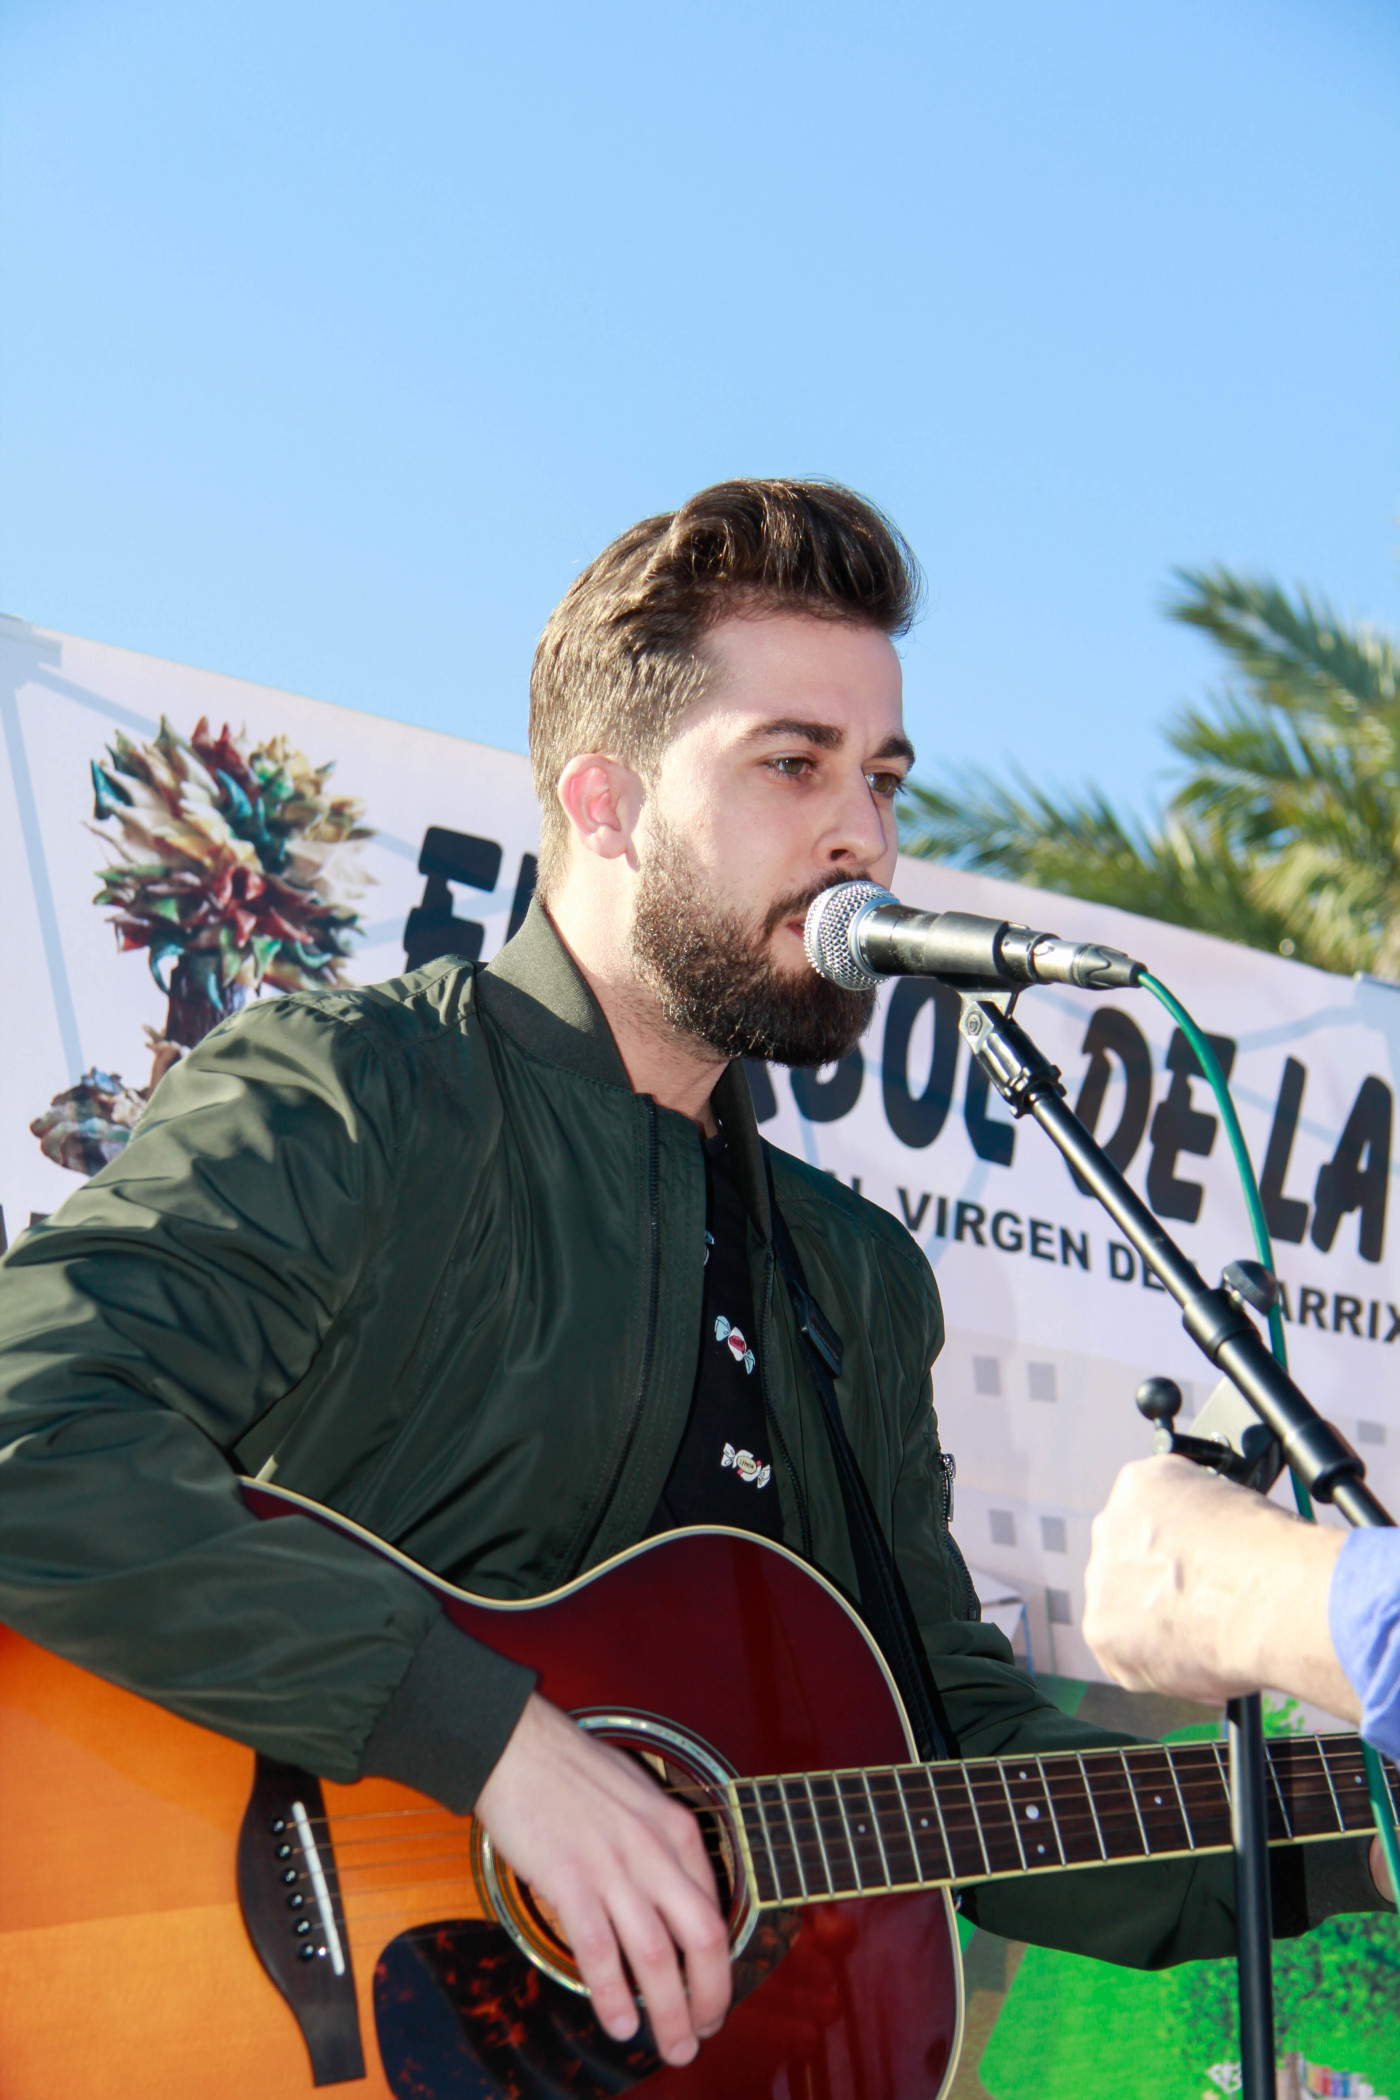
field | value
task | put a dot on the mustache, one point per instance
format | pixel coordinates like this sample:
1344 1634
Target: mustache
800 903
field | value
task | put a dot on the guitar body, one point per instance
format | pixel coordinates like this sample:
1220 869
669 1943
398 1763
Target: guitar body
126 1961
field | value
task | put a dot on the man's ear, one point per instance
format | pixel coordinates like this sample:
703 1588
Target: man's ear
602 799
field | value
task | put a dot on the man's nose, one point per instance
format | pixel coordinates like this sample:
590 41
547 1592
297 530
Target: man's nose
861 828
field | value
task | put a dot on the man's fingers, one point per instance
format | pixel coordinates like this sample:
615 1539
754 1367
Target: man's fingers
651 1956
694 1922
589 1931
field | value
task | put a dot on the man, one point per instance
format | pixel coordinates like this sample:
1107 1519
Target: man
1198 1587
436 1253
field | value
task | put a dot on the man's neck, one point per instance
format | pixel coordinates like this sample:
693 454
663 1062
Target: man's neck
676 1070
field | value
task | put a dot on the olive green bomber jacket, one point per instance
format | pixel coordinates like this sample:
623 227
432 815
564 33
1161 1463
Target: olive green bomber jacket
421 1250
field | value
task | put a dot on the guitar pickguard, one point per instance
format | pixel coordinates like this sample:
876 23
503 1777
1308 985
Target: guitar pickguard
463 2014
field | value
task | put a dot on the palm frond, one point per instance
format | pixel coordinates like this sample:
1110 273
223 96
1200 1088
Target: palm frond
1295 652
1283 829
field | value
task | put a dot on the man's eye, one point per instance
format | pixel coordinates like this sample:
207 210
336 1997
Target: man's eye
791 768
886 785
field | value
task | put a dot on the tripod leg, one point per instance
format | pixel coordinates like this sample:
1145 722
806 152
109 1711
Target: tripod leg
1249 1828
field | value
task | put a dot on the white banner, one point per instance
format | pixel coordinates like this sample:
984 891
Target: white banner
1051 1325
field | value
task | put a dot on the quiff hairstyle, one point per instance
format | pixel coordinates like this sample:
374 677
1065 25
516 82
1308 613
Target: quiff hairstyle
620 660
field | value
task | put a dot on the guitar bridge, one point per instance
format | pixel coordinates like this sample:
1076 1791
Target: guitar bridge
289 1893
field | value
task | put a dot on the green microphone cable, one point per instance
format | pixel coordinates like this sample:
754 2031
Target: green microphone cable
1382 1807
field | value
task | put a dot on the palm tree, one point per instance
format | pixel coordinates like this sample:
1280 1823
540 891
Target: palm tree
1285 830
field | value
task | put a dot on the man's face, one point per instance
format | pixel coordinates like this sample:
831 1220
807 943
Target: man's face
780 782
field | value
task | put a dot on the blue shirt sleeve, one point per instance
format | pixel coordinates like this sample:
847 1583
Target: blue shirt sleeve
1363 1613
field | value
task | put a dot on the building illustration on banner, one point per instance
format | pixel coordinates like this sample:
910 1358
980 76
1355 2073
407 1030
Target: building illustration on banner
238 867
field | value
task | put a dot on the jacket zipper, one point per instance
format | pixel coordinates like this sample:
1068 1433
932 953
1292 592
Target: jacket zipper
649 1339
775 1425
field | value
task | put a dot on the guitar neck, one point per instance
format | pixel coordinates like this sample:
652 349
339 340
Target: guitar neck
813 1837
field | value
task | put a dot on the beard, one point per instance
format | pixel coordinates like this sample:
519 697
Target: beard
715 977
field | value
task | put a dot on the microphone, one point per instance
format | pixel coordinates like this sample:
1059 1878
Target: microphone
857 935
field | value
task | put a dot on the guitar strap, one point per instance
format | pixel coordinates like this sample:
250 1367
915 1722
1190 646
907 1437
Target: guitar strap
884 1602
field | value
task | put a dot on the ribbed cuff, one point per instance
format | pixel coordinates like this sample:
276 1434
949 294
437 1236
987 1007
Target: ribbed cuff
453 1713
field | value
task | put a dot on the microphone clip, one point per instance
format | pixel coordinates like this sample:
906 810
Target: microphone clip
1021 1073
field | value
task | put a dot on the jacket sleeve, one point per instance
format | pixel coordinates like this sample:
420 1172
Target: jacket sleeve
144 1330
1144 1916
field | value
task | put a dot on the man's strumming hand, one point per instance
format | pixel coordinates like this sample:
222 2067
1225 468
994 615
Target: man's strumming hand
624 1869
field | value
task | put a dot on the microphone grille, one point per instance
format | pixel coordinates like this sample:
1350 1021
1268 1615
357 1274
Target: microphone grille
827 933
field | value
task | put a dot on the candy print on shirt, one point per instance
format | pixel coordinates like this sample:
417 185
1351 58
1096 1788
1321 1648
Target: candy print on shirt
747 1466
738 1347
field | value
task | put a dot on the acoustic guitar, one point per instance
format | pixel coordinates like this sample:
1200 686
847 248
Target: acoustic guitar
181 1917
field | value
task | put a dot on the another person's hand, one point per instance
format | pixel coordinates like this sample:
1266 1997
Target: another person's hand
623 1868
1203 1589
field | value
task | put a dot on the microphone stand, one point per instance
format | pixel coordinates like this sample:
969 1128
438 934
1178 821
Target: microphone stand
1217 1322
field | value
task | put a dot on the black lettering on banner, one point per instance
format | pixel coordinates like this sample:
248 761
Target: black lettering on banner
1177 1127
917 1119
827 1100
1014 1244
972 1217
1344 1184
1151 1281
1122 1266
430 929
1347 1313
1110 1030
992 1139
914 1213
1314 1302
1076 1244
940 1224
1285 1216
765 1101
1042 1240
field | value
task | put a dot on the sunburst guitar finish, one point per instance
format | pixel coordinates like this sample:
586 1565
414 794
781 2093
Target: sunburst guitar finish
178 1917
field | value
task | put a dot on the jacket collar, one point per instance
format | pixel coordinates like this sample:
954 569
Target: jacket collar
535 991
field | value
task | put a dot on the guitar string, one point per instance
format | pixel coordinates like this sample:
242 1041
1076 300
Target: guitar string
814 1848
440 1884
1203 1777
1207 1794
1347 1749
1068 1822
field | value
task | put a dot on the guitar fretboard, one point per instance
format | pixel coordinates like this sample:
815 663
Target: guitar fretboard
812 1837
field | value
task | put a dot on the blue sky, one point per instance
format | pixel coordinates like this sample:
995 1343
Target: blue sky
337 337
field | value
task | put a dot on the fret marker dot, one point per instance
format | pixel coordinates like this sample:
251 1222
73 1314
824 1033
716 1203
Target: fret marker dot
1040 1848
1158 1799
861 1828
923 1822
1032 1814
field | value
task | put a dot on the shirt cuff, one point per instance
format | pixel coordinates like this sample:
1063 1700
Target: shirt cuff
1363 1616
449 1719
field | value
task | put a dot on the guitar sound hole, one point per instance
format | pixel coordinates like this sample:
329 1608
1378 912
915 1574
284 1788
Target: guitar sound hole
691 1772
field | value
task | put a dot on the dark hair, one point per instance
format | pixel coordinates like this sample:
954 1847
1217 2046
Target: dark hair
620 659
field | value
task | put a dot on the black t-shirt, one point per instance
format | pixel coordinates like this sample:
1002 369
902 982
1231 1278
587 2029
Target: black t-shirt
723 1471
